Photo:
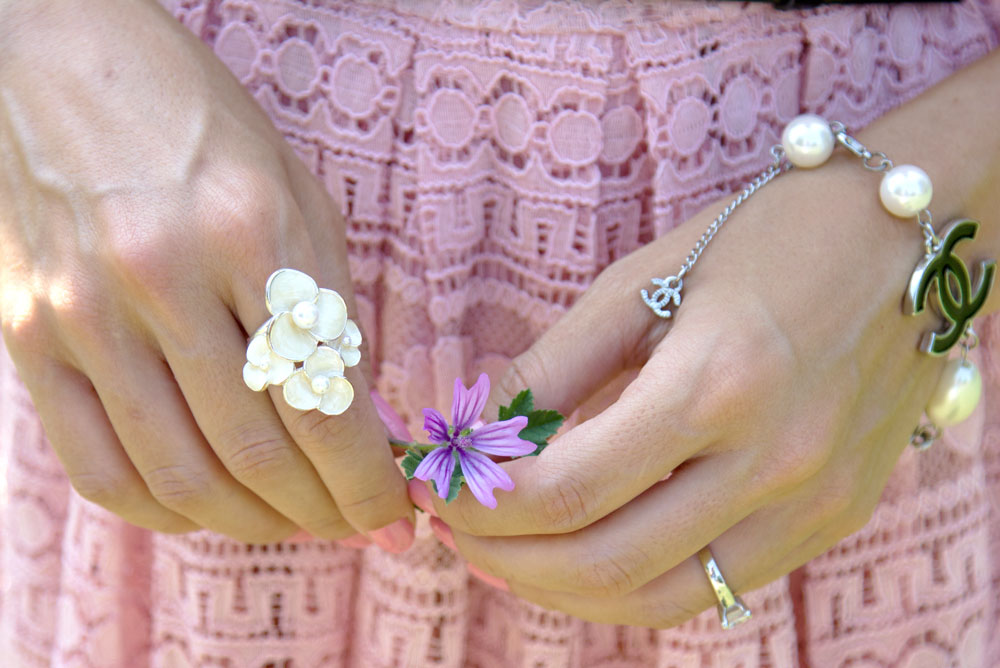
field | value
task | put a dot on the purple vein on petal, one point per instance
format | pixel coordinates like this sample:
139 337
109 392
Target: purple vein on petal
467 405
439 465
482 475
435 425
501 438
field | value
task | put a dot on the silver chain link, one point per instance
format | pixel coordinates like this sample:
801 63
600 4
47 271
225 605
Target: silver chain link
762 179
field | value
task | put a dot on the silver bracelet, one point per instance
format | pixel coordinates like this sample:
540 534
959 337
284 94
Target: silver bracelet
940 278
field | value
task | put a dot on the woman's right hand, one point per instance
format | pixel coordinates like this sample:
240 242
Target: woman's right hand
144 200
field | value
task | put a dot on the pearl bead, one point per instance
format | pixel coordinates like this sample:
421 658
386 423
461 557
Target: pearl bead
807 141
264 365
905 191
320 384
305 315
956 395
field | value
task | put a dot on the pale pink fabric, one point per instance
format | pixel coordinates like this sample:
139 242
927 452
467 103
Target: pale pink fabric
492 158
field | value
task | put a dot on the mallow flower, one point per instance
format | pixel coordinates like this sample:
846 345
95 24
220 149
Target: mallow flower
465 443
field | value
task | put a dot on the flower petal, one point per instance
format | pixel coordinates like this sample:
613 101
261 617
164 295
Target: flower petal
439 466
324 362
286 288
279 370
466 405
338 398
501 438
332 316
483 474
351 356
289 340
436 426
298 392
258 352
254 377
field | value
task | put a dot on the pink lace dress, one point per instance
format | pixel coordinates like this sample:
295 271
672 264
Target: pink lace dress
492 158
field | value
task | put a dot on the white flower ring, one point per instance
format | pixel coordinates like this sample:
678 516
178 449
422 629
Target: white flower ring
308 324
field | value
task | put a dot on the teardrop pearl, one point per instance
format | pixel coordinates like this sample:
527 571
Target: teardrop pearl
957 393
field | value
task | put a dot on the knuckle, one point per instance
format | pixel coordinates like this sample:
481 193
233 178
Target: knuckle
179 488
326 435
257 452
371 508
792 463
605 575
330 526
102 489
527 370
565 504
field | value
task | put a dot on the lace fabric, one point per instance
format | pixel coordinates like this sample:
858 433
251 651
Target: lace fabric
492 157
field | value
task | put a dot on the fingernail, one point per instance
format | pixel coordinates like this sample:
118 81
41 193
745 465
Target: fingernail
491 580
300 536
396 537
443 533
394 424
421 496
357 541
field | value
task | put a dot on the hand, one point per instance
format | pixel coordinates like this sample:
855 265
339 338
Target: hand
764 418
145 199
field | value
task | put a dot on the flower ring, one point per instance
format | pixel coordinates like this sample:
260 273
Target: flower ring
305 345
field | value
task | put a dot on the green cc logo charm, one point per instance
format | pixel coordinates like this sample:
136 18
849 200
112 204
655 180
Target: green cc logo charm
957 301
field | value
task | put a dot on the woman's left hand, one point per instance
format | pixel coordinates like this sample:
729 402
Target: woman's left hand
764 420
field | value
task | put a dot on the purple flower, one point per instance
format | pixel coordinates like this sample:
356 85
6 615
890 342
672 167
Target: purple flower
497 438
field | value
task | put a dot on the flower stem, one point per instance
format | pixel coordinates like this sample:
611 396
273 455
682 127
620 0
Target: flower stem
415 445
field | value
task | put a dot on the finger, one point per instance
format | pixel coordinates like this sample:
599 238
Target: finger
578 478
85 442
589 345
637 543
244 429
157 430
746 554
350 451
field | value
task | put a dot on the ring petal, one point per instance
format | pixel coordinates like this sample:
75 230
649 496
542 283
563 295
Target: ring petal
298 392
286 288
325 361
289 340
279 370
338 398
351 356
258 352
332 316
254 377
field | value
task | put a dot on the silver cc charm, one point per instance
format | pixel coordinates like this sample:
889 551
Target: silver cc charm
669 290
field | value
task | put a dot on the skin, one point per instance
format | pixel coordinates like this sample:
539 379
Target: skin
765 418
144 200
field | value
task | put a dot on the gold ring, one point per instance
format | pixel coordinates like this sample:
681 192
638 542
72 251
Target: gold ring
732 610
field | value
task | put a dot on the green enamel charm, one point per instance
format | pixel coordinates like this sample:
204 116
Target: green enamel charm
957 302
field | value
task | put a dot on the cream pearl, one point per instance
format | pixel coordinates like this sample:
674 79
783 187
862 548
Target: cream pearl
807 140
905 191
305 314
320 384
957 393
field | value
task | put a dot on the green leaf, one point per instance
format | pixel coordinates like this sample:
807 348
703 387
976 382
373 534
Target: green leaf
411 461
522 404
542 425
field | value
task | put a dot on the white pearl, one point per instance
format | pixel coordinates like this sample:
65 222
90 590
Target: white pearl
305 314
264 365
807 140
956 395
320 384
906 190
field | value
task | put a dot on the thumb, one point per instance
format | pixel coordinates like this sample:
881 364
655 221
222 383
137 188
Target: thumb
604 333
